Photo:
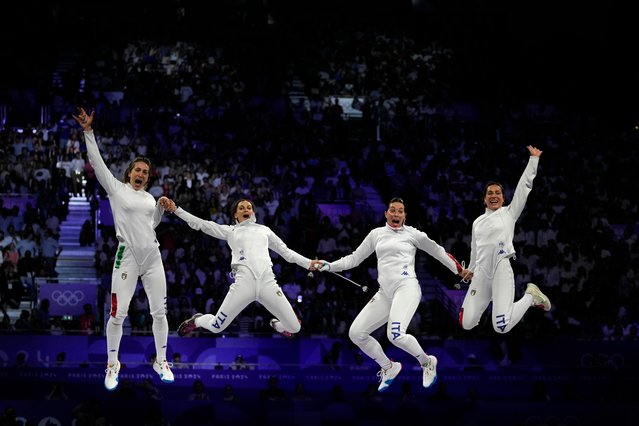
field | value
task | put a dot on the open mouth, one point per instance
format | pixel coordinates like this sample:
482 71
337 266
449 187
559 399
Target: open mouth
138 181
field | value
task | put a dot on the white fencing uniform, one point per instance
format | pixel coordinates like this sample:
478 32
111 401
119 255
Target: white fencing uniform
136 214
491 251
399 291
254 278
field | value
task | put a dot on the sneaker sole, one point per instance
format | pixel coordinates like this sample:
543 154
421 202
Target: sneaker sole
390 382
286 334
431 384
181 332
117 381
534 291
386 387
432 357
113 388
162 378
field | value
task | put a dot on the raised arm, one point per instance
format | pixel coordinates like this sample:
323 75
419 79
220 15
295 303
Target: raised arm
102 172
525 184
534 151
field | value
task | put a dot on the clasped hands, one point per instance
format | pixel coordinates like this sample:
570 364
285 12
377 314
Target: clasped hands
168 204
320 265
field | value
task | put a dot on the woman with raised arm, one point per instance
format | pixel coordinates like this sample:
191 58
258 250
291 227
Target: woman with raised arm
491 251
136 215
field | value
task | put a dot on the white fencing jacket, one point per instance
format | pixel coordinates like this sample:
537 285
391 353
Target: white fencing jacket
136 214
249 242
395 250
493 231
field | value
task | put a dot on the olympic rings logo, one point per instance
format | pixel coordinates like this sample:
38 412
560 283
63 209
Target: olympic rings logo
67 297
602 360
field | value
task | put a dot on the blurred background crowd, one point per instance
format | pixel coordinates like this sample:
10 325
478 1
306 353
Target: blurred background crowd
319 122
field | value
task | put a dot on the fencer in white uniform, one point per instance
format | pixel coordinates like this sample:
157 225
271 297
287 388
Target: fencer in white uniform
136 214
490 256
251 262
395 303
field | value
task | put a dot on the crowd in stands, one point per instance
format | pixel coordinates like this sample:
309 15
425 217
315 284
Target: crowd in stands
215 130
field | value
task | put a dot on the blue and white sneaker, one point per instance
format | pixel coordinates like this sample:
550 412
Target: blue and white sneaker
387 376
111 378
164 371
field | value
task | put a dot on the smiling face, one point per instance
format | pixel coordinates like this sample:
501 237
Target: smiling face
494 196
395 214
243 211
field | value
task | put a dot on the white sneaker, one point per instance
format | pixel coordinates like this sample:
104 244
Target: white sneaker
111 378
164 370
386 377
430 372
539 299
